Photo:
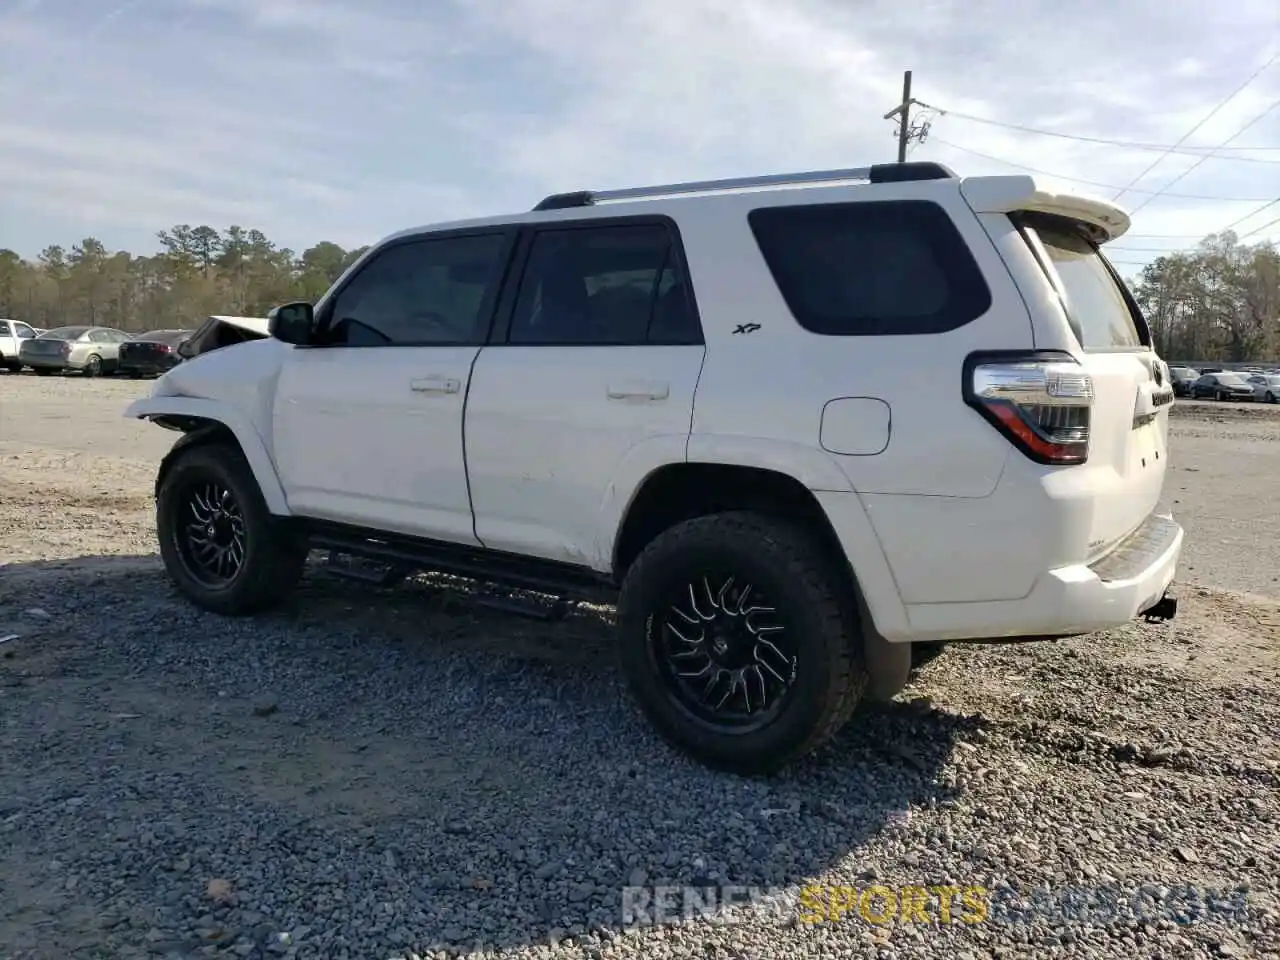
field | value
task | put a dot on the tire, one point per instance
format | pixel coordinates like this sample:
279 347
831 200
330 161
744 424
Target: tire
271 557
1270 397
790 572
93 366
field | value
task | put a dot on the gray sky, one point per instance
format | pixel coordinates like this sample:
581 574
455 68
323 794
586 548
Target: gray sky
346 120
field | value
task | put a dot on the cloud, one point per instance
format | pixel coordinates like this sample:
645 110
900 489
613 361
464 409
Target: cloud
348 119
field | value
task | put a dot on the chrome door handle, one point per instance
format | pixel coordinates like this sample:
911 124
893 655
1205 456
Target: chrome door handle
435 385
639 391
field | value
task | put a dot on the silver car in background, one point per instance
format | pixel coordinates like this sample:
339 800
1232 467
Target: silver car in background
92 351
1266 386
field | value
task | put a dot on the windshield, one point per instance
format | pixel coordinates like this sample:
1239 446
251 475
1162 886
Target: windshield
1234 379
1096 306
64 333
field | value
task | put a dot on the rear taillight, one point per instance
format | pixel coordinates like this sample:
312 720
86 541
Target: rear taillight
163 347
65 348
1041 401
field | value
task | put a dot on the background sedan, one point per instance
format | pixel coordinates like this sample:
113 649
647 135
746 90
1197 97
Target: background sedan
1266 386
90 350
152 353
1221 386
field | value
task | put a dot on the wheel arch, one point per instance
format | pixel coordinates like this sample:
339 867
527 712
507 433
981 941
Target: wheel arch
204 422
681 491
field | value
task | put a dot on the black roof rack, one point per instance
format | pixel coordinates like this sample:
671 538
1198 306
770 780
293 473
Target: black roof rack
876 173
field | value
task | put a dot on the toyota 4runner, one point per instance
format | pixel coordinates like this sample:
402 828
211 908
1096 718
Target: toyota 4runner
790 425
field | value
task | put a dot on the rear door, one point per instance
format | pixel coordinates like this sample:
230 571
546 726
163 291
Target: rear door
588 386
1128 436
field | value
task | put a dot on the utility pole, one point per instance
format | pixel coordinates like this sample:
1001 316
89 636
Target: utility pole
906 133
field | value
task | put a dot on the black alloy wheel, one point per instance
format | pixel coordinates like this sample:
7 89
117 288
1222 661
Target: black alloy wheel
211 537
725 652
221 545
740 640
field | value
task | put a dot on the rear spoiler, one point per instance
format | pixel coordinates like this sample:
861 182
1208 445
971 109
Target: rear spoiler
1013 194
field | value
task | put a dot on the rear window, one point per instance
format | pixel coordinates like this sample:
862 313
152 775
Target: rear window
884 267
64 333
1097 308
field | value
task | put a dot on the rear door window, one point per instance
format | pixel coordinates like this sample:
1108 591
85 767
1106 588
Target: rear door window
883 267
1099 310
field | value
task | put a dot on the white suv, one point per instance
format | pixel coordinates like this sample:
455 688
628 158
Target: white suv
12 335
791 425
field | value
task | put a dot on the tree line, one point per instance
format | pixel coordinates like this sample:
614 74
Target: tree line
1220 301
198 272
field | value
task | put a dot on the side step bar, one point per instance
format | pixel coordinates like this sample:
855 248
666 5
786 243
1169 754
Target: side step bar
401 556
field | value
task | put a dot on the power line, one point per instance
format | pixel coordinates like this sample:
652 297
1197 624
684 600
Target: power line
1251 214
1119 245
1184 173
1094 183
1269 223
1207 117
1104 141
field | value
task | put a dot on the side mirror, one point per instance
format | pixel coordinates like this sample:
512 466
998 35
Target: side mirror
293 323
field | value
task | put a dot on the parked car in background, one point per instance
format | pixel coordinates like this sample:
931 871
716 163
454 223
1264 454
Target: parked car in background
1223 385
1266 386
12 335
152 353
1183 378
92 351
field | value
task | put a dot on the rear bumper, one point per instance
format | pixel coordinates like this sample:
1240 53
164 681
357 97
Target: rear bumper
149 367
47 363
1070 600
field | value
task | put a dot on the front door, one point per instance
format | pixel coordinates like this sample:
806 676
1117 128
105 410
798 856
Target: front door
368 425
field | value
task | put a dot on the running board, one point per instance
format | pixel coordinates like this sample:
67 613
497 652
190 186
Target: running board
402 555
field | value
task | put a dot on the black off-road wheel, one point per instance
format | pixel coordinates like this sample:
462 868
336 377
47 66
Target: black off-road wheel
739 639
220 544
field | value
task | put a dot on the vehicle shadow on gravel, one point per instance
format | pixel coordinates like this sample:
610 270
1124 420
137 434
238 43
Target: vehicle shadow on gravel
379 770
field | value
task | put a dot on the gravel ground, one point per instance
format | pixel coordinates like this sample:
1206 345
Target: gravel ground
372 775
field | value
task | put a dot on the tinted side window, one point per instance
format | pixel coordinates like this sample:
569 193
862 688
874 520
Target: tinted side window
424 292
608 285
23 331
875 268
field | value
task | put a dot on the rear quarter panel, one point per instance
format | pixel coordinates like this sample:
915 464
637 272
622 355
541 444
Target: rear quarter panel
773 383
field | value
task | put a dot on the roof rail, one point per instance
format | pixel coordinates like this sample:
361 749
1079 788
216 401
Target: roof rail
876 173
